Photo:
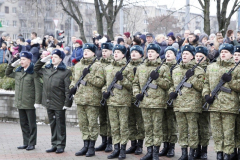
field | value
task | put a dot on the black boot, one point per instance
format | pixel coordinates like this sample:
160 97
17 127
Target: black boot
149 153
138 151
155 153
198 152
219 155
171 150
116 151
103 145
91 149
234 155
184 154
226 156
164 151
84 150
132 148
122 154
191 154
109 145
204 153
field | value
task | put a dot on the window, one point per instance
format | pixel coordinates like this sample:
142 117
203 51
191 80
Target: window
14 10
32 25
14 23
76 28
145 12
6 9
23 24
14 36
145 21
39 25
6 22
145 30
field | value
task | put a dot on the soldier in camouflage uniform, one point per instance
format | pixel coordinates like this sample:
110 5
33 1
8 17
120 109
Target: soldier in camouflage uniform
135 120
119 100
87 98
169 118
188 106
224 109
105 129
204 117
154 104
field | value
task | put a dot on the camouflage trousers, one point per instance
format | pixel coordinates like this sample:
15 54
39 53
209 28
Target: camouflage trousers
88 121
152 118
135 123
105 128
118 116
204 128
223 127
187 129
169 126
237 131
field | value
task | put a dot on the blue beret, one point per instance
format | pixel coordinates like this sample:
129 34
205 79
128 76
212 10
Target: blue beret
171 49
61 54
90 46
202 50
189 48
26 54
228 47
153 46
137 48
122 48
107 45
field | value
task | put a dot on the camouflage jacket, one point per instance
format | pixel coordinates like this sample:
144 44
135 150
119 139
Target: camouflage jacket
156 97
170 64
191 98
224 102
120 97
90 94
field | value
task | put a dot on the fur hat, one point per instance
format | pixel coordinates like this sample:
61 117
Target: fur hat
122 48
60 53
107 45
189 48
171 49
90 46
137 48
153 46
228 47
202 50
26 54
237 49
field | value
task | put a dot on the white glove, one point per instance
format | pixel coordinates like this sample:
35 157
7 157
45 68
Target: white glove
37 106
45 59
16 63
64 107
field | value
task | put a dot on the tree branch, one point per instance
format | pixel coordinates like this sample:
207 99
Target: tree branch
201 3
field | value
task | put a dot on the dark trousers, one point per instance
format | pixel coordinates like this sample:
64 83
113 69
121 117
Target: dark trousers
28 126
58 127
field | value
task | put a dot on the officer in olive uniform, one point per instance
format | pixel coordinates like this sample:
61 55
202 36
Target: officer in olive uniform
28 89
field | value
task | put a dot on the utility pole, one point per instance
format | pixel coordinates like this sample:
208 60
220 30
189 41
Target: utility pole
187 15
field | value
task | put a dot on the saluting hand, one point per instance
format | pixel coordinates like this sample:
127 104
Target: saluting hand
16 63
45 59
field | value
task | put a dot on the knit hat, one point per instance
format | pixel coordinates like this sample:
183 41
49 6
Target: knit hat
143 37
107 45
197 31
127 34
237 49
67 49
189 48
79 42
90 46
171 49
103 40
137 48
170 34
122 48
28 41
61 54
153 46
228 47
26 54
119 40
51 35
202 50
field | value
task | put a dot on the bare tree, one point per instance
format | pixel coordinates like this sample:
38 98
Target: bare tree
205 4
99 16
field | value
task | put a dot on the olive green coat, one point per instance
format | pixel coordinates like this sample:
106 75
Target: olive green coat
28 87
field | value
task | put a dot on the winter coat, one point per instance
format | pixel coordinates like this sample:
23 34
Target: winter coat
77 53
156 97
67 60
224 102
89 95
5 56
28 87
191 98
1 41
55 85
163 45
98 52
121 97
35 52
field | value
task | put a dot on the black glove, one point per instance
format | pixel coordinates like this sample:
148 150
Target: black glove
85 72
134 70
73 91
226 77
139 96
119 76
189 73
106 95
173 95
209 99
154 75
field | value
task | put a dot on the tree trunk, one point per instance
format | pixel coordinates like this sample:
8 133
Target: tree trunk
82 34
110 30
99 17
206 17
